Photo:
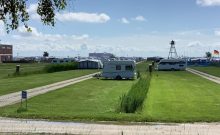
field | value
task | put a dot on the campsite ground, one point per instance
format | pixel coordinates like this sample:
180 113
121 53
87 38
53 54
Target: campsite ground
7 69
182 97
14 84
212 70
173 97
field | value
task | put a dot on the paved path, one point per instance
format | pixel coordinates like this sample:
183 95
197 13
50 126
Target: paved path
18 126
16 97
204 75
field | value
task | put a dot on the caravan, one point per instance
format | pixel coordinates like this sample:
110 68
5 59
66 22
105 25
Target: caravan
172 64
119 69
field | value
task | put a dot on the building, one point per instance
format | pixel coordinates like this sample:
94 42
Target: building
6 53
102 56
90 64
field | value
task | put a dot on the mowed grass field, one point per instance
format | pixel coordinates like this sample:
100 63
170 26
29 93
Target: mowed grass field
173 97
212 70
7 69
182 97
14 84
93 99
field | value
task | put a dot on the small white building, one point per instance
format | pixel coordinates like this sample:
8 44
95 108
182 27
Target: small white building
172 64
119 69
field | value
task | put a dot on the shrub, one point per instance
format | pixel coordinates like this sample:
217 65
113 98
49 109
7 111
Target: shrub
216 64
60 67
135 97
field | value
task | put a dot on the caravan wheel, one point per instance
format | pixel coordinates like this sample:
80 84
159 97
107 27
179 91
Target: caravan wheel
118 77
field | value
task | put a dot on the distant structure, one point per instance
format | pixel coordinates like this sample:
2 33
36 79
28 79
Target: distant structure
101 56
6 53
90 64
172 53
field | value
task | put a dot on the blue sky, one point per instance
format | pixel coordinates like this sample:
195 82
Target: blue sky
123 27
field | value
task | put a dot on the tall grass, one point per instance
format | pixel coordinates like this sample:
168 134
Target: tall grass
60 67
135 97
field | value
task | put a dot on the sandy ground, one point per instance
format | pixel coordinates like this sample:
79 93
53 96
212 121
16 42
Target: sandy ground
19 126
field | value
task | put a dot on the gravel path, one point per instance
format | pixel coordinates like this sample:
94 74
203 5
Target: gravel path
205 75
16 97
18 126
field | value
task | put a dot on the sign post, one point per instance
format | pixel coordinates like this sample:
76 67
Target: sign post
24 96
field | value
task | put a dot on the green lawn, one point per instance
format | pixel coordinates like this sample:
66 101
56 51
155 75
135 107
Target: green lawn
173 97
9 85
212 70
93 99
182 96
7 69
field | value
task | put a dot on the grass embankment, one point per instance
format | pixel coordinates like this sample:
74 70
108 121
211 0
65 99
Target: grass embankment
182 97
212 70
9 85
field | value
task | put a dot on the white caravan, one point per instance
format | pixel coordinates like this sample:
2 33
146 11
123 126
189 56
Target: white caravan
122 69
172 64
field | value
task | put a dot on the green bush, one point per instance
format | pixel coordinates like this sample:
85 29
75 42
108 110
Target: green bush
60 67
216 64
135 97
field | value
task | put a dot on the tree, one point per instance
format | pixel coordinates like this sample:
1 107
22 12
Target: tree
208 55
46 54
14 12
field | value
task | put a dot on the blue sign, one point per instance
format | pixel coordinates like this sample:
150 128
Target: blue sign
24 94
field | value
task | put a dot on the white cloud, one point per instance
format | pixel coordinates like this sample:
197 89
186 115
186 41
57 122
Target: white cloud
124 20
187 44
217 32
32 8
140 18
83 17
208 2
194 44
2 28
23 31
71 16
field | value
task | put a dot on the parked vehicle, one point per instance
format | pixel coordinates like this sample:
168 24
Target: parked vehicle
119 69
90 64
172 64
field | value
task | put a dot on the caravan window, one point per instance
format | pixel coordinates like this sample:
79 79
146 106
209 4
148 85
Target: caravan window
118 67
128 67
